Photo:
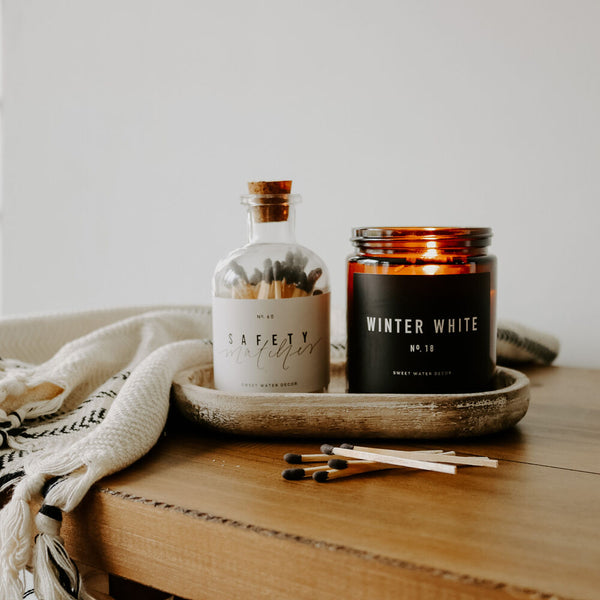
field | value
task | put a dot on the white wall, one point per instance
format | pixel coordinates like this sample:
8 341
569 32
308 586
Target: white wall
1 153
132 126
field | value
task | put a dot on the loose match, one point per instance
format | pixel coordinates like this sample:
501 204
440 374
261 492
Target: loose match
346 460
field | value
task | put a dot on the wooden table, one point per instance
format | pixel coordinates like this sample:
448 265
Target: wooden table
210 517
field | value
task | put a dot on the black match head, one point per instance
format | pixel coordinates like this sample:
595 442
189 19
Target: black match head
320 476
285 273
239 271
338 463
303 282
293 474
292 459
347 446
268 274
327 449
256 277
312 278
293 274
277 271
302 260
314 275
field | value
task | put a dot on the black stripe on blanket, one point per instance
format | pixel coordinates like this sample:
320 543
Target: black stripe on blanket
63 577
6 479
49 483
537 350
52 512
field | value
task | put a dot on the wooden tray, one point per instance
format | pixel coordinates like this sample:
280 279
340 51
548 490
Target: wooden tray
336 414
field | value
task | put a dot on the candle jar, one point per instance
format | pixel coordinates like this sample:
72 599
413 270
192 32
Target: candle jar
271 304
421 310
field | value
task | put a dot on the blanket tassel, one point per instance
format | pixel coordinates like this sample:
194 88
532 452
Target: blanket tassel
55 575
15 537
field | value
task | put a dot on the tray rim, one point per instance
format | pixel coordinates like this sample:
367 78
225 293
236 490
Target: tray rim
353 416
520 383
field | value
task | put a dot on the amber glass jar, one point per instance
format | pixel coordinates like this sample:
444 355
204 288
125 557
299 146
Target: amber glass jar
421 310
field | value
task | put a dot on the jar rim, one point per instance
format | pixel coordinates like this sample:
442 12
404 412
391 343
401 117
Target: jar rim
476 235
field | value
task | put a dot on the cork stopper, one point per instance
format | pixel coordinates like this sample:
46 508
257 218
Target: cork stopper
270 200
269 187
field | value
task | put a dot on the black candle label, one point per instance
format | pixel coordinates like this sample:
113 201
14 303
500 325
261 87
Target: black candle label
419 333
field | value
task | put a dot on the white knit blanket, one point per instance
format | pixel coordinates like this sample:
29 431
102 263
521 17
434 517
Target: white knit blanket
72 412
84 395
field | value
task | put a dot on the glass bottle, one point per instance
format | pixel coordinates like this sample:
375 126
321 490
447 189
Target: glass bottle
271 303
421 310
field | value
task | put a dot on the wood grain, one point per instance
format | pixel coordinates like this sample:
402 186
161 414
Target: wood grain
209 516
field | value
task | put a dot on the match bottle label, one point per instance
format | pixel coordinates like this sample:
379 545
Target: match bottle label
418 333
271 345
